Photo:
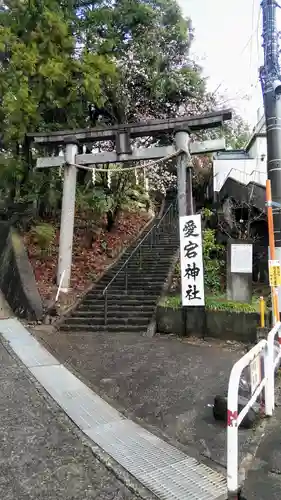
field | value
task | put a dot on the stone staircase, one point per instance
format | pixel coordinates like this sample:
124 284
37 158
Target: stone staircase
125 298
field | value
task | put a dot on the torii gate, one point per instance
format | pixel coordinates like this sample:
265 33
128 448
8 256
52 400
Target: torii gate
181 127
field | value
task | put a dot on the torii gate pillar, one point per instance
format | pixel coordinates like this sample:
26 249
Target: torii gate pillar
67 215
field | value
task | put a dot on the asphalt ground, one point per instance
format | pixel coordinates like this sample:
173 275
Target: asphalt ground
166 384
41 455
264 479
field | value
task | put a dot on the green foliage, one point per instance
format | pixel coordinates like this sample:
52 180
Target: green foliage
43 235
150 40
42 83
221 304
237 133
213 303
206 213
213 261
99 199
75 64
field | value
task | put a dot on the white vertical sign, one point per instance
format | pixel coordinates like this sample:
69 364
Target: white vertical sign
192 271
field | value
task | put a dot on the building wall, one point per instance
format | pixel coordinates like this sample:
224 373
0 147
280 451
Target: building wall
258 148
244 171
246 167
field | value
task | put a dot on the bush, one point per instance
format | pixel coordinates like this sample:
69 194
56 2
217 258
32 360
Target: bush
43 235
212 304
222 304
214 263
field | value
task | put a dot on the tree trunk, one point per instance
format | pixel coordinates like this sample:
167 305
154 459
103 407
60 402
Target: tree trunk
111 216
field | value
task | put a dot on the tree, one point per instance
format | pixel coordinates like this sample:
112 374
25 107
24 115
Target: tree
243 220
150 41
109 192
42 84
75 63
237 132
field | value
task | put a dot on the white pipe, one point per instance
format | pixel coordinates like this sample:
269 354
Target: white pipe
60 285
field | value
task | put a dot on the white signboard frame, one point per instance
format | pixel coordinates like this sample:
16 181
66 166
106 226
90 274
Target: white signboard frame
241 258
192 270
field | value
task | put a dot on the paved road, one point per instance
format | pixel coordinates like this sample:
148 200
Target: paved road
41 455
264 480
163 382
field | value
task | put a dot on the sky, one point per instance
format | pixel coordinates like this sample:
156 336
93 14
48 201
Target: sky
228 46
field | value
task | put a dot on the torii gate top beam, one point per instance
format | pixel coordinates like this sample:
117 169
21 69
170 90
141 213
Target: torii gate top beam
134 130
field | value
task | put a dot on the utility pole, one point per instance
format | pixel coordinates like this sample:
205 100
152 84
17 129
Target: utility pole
271 89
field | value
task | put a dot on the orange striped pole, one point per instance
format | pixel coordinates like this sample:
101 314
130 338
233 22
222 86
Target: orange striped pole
274 291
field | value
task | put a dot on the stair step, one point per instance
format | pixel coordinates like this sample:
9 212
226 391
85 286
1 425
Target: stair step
171 247
128 310
135 275
112 313
132 285
95 302
111 320
137 292
154 260
129 297
153 268
154 249
92 301
98 308
99 329
150 258
122 299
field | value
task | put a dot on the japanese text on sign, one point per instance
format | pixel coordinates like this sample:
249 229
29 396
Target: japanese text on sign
255 373
241 258
274 273
192 272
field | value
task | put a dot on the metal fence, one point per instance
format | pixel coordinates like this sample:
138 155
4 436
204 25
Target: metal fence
262 365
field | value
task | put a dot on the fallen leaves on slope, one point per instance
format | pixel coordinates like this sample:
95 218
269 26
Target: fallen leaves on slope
88 263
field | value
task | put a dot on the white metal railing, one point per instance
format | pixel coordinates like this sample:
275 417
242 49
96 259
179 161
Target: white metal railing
262 363
273 362
243 177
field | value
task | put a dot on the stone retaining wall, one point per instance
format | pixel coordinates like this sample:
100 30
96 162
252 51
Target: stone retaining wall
203 323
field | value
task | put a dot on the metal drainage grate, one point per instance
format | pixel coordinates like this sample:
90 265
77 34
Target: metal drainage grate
81 404
12 329
28 349
164 470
